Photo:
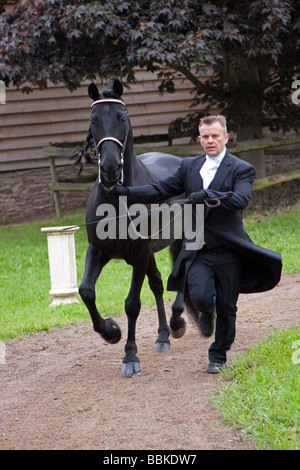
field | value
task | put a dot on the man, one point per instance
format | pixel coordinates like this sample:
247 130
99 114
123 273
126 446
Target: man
229 262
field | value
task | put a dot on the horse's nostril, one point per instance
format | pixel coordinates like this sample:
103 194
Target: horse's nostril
111 174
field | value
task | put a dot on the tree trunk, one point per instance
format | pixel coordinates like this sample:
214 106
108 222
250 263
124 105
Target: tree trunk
257 159
252 111
248 96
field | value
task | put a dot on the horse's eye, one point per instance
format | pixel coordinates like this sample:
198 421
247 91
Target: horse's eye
94 120
122 117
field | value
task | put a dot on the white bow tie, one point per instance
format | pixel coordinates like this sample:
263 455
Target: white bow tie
208 170
210 163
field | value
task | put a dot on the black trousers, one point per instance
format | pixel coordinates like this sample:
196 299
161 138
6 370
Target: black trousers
215 276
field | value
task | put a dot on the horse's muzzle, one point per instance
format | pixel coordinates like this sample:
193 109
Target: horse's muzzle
111 176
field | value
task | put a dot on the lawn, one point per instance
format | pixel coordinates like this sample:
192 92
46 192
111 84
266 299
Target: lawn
261 393
279 232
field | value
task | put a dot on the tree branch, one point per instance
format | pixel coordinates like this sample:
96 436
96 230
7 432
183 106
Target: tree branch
230 75
189 75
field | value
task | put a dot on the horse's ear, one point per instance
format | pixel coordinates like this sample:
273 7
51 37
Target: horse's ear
118 87
93 91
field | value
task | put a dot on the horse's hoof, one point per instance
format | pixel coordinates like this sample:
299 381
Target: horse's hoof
178 328
113 333
162 347
131 369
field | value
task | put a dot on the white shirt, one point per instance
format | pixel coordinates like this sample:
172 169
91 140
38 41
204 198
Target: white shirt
209 168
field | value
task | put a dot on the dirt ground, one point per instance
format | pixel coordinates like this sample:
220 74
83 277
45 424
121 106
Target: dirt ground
62 389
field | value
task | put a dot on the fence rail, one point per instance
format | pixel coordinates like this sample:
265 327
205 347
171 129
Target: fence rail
57 186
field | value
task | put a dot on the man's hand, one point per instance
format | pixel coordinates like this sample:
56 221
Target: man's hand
197 197
119 191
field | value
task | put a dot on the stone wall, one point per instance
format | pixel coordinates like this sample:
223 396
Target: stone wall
24 195
283 159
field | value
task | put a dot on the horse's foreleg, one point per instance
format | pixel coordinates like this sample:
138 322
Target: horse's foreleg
131 363
156 285
94 263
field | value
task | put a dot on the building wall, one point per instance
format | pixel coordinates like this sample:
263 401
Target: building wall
28 122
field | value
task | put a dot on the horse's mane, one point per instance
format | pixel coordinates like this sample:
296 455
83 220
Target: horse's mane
108 93
86 155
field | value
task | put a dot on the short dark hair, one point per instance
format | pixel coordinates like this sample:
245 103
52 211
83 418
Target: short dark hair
214 118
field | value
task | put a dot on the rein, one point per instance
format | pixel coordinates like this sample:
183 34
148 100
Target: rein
180 202
211 203
113 139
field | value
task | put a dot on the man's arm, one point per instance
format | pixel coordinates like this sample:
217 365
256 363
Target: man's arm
155 192
241 191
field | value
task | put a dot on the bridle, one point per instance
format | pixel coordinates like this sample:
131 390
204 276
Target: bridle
113 139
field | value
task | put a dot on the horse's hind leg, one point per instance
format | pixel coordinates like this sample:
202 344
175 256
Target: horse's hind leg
94 263
156 285
177 323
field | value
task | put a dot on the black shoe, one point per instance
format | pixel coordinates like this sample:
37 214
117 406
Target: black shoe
215 367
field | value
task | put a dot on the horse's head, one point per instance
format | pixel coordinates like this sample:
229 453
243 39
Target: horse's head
110 130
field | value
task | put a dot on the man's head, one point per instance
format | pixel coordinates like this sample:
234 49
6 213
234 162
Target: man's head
213 134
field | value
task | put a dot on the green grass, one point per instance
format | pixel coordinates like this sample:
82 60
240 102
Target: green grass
25 280
279 232
261 392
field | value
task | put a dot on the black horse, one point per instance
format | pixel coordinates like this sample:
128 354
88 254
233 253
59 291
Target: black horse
110 133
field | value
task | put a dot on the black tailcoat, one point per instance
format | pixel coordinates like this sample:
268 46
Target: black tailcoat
223 226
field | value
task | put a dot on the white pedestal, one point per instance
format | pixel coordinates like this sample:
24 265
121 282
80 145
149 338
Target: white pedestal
62 264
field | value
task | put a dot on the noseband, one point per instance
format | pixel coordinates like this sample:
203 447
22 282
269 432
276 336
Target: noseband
113 139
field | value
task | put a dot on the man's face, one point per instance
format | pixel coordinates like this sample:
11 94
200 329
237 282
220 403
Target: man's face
213 138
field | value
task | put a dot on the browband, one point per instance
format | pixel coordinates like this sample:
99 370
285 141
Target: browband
109 100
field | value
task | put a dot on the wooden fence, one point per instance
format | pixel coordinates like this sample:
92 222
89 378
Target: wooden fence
58 186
